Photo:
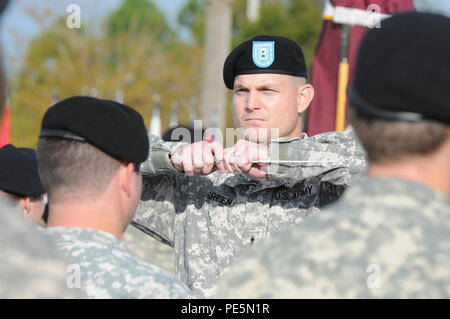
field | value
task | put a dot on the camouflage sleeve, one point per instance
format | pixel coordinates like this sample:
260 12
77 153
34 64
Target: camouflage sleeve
158 161
335 157
157 208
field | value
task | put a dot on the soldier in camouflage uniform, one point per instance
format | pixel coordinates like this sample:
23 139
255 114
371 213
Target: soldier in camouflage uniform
389 235
20 182
30 267
209 217
109 270
91 171
149 249
144 246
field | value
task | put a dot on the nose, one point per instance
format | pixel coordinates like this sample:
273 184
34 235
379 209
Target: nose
253 101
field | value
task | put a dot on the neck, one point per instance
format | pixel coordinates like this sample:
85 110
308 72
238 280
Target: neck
297 132
432 171
298 129
95 214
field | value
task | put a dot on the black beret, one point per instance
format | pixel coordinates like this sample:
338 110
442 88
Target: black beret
114 128
402 70
3 5
19 171
264 54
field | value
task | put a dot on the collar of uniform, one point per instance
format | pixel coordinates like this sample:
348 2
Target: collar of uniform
288 139
62 235
279 148
379 186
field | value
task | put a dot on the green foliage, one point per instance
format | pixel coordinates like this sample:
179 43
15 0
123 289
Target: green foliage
140 16
299 20
70 61
192 17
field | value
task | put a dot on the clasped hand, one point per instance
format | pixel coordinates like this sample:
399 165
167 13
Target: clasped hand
204 158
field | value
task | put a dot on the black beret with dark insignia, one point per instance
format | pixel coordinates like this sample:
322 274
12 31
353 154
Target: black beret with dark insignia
264 54
114 128
19 171
402 71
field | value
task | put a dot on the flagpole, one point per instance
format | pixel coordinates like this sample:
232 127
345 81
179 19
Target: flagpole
343 75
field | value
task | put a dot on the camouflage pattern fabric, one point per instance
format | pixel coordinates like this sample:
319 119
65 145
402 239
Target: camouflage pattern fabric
109 270
386 238
149 249
210 219
30 267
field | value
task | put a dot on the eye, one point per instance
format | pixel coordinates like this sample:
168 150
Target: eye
269 91
240 91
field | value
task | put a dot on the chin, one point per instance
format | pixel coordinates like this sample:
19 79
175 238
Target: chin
257 135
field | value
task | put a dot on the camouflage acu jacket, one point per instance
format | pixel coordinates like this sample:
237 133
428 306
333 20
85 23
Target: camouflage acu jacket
209 219
30 266
108 270
386 238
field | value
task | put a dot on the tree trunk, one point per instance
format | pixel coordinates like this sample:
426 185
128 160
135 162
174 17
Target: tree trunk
217 46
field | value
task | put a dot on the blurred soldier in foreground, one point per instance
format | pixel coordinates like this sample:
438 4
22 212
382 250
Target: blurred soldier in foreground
208 217
20 182
89 152
389 236
30 267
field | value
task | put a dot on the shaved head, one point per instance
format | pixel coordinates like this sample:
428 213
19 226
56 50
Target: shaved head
297 81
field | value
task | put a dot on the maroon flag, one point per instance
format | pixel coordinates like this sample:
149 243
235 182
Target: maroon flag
324 78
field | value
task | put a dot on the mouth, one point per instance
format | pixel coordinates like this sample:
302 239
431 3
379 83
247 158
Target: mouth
254 122
254 119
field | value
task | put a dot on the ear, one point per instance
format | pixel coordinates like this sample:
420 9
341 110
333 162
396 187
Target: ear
305 94
25 204
126 178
